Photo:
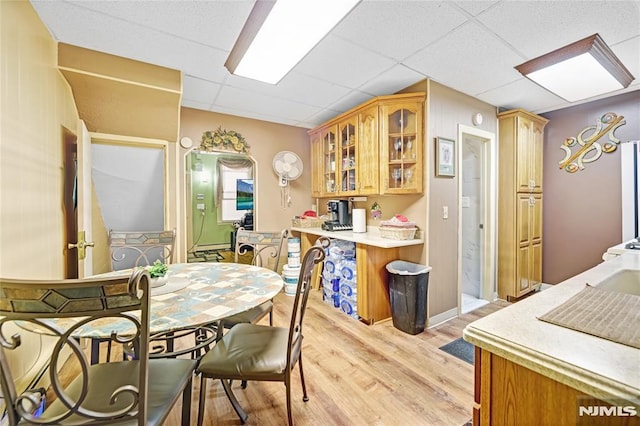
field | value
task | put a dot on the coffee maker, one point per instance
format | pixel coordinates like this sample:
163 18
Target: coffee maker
340 216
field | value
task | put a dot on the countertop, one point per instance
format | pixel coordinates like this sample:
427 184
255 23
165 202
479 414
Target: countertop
592 365
371 237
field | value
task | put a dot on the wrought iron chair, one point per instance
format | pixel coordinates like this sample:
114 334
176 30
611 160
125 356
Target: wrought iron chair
140 392
260 352
133 248
129 249
263 247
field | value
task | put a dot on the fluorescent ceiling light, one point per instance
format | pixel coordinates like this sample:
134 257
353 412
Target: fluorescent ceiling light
578 71
277 35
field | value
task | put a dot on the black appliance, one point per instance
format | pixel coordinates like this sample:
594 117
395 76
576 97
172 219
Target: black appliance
340 216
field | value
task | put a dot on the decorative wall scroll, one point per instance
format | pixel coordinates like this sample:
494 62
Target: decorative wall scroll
590 149
223 139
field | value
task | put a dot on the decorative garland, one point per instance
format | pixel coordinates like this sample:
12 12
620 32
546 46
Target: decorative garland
225 139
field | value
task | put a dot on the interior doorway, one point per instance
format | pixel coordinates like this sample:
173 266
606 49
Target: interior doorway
477 216
70 202
220 197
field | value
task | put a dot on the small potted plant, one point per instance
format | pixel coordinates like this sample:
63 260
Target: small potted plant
158 273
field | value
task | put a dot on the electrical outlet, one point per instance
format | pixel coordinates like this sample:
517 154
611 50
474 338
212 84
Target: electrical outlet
466 202
200 197
445 212
200 206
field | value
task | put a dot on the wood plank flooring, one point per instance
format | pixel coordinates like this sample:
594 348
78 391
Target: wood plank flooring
357 375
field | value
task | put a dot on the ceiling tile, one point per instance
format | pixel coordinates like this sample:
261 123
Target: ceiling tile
212 23
475 7
470 59
534 30
252 102
353 99
392 80
294 87
198 90
519 93
339 61
398 29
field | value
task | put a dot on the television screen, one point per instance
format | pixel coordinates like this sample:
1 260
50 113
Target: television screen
244 194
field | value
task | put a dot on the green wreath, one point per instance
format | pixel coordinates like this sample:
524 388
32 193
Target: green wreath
225 139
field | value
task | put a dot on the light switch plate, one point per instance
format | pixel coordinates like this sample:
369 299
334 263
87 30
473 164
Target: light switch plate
445 212
466 202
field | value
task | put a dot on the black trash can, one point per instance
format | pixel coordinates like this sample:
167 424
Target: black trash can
408 283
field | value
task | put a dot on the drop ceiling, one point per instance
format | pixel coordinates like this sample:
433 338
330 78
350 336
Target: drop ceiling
379 48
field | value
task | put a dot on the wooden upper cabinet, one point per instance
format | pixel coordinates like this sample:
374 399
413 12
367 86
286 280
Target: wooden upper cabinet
401 146
375 148
368 153
524 131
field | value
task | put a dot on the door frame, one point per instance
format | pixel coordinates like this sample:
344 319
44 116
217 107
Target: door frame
489 240
169 211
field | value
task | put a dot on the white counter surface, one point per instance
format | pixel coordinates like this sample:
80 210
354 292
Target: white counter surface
371 237
590 364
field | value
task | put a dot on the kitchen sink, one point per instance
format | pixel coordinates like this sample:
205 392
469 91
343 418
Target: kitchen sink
624 281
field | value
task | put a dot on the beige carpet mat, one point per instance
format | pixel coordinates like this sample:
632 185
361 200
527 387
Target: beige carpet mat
607 314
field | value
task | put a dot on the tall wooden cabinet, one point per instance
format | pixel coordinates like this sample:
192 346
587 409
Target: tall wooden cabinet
375 148
520 203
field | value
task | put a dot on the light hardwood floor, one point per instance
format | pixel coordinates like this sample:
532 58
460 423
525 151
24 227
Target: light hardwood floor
357 375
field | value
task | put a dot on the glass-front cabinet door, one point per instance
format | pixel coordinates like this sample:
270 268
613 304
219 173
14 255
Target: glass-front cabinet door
348 156
401 145
330 161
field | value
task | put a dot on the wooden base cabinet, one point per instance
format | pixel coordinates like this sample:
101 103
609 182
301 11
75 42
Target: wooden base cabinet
373 288
506 393
520 203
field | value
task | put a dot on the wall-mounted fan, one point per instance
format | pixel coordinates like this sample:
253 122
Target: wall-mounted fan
288 166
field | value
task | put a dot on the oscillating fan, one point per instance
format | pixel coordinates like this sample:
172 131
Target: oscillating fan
288 166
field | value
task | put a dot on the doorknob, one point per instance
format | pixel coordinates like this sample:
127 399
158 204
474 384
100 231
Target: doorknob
81 245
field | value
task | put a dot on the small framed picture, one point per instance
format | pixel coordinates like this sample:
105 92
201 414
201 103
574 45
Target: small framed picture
445 157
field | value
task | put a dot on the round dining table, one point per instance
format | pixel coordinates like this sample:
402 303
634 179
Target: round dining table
195 294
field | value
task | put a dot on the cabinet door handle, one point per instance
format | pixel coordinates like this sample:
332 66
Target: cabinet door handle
532 200
532 183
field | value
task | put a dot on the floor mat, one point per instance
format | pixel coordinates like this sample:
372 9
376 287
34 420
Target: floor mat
205 256
460 348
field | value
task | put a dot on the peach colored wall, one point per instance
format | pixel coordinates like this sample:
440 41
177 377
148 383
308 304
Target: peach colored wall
265 139
36 105
582 211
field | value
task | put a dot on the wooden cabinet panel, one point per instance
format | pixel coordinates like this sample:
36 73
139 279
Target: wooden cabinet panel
316 165
523 219
511 394
373 287
368 153
535 151
520 203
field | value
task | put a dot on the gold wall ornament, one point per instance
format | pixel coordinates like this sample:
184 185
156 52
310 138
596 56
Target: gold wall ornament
223 139
590 150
